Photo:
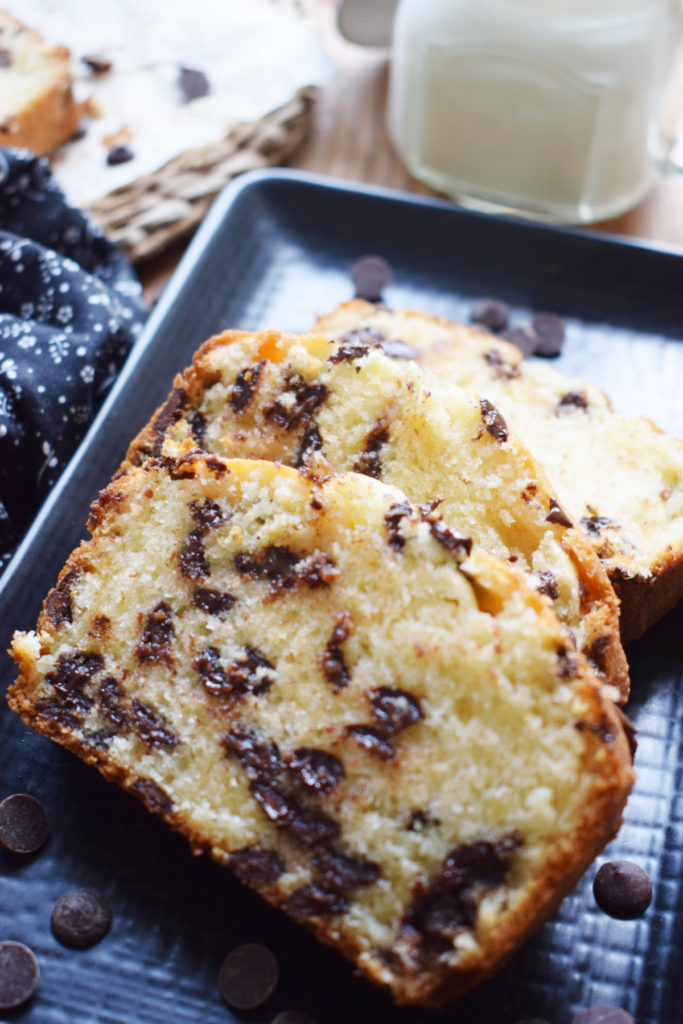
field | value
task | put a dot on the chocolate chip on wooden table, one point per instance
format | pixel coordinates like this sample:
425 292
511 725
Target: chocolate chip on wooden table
81 918
19 975
622 889
491 313
603 1015
23 824
248 976
370 274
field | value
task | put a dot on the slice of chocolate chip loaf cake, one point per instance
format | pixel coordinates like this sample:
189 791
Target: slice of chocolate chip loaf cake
376 725
307 403
620 478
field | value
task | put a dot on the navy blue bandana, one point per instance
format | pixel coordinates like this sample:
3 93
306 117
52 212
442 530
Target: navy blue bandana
70 309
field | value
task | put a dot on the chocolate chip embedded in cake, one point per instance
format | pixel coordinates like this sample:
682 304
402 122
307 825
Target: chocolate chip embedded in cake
324 734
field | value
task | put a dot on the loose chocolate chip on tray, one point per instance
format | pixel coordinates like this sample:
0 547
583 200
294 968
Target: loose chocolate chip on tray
603 1015
248 976
119 155
19 975
622 889
491 313
523 337
23 824
370 274
81 918
549 331
193 83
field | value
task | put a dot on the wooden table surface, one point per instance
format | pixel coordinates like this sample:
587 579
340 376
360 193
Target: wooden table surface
349 140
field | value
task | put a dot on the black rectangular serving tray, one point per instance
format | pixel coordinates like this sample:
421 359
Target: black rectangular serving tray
274 252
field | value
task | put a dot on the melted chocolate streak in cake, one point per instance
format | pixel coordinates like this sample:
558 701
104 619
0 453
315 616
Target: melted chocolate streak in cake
369 462
307 398
451 902
282 785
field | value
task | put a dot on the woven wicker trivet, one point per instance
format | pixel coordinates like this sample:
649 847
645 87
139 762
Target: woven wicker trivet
150 213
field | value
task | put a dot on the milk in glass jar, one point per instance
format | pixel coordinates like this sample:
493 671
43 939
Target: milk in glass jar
541 106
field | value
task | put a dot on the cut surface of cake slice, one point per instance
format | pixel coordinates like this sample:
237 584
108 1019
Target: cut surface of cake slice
378 726
620 478
305 402
37 107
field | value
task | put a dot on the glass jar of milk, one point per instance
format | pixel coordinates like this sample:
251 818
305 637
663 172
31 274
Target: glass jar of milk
541 106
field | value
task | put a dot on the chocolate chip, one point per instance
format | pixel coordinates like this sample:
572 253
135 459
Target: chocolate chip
491 313
557 514
353 348
192 557
150 727
502 370
245 386
156 641
572 400
19 975
622 889
369 462
493 421
248 976
5 58
79 133
333 663
394 710
58 601
392 520
594 525
193 83
315 901
198 427
546 583
339 871
257 757
112 701
97 62
375 741
206 514
81 918
450 539
309 827
213 602
523 338
311 442
549 331
317 769
370 275
603 1015
397 349
254 866
23 823
307 398
153 796
169 413
293 1017
318 570
119 155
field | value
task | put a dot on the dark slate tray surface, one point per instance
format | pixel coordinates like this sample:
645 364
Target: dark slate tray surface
274 252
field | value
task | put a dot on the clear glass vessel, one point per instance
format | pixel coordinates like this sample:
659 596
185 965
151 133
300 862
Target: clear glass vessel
541 106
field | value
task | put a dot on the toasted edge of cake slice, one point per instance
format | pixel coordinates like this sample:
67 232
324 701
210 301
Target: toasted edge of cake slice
379 728
300 400
619 477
